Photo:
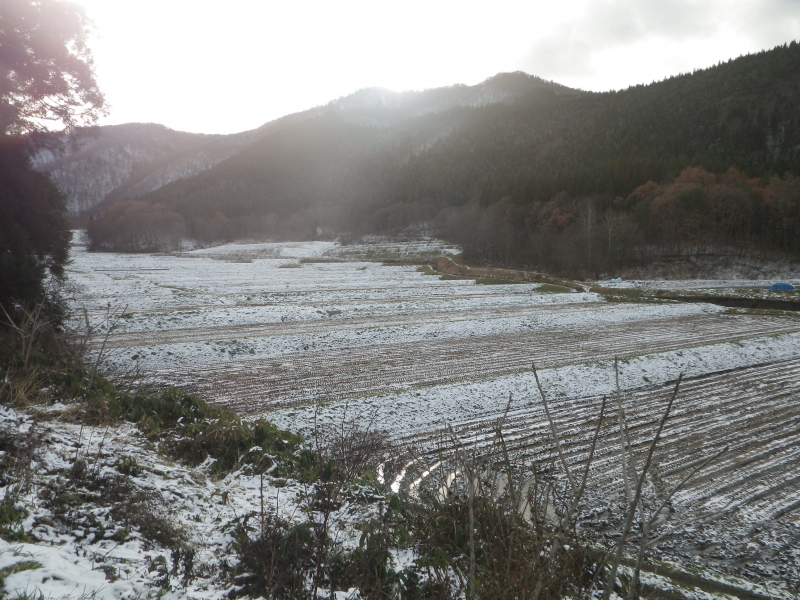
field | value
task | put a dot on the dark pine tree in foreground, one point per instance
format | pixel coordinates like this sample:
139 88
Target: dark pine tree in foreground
46 75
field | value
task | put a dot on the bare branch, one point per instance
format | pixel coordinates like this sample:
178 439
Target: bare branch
554 431
685 480
612 577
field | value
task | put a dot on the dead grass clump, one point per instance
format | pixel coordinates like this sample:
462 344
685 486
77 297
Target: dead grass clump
74 498
349 450
278 563
498 281
549 288
17 453
506 557
28 340
144 510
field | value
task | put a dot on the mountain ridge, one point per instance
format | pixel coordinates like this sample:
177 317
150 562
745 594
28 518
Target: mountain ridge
104 164
515 169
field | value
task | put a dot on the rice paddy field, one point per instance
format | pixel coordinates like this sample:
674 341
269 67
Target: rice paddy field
317 332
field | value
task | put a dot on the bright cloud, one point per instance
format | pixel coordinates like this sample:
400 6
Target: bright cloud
219 66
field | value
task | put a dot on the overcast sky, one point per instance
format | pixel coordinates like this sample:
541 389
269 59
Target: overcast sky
221 66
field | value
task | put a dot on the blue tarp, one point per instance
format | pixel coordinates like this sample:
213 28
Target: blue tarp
782 287
617 280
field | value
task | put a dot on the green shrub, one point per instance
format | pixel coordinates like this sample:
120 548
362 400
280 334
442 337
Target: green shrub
11 518
234 442
278 562
128 465
155 413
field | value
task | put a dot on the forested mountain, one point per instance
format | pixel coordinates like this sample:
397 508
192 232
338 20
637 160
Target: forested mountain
518 169
128 161
120 161
376 106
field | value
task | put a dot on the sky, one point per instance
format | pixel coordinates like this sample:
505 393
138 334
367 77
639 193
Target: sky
223 66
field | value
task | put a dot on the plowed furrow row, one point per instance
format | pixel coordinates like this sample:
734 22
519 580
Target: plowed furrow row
180 336
529 424
754 412
256 385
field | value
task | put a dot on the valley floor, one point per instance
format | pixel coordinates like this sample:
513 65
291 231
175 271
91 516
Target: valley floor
314 333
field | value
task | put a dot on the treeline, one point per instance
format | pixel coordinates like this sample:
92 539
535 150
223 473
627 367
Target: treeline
138 226
530 172
698 212
34 237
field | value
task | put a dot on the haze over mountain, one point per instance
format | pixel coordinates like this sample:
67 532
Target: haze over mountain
127 161
121 161
516 157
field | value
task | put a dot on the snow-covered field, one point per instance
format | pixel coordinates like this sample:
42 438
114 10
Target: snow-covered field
309 331
279 327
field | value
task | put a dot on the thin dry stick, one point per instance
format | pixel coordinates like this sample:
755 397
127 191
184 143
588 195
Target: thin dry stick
471 491
645 543
563 523
78 446
471 594
507 460
627 460
261 490
99 451
612 577
512 495
499 439
585 477
554 431
687 478
508 407
105 341
418 459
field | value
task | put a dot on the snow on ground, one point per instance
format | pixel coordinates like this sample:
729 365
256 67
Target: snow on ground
238 303
221 346
405 412
85 553
232 304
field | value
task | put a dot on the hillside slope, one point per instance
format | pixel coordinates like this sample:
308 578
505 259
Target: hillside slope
97 166
90 165
505 165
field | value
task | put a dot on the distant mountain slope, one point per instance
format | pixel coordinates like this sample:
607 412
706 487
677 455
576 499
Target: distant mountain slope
341 160
447 146
376 106
516 169
128 161
744 113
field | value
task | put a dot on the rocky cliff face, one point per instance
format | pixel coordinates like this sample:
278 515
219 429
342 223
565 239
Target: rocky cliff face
124 161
